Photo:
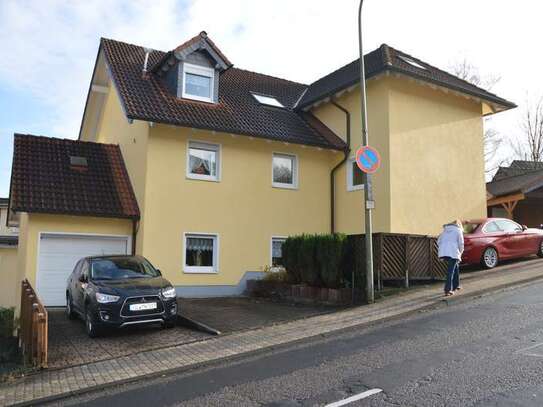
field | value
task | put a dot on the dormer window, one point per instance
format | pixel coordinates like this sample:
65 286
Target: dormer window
267 100
198 82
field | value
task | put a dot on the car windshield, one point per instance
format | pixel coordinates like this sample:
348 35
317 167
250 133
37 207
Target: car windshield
470 227
122 268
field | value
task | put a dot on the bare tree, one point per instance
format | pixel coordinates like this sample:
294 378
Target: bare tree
492 138
530 146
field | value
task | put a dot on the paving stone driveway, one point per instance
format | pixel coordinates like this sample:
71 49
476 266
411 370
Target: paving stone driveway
70 346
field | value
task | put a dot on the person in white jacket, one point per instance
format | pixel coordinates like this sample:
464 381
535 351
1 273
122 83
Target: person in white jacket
450 248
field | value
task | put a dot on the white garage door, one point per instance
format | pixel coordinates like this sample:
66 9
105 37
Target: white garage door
58 256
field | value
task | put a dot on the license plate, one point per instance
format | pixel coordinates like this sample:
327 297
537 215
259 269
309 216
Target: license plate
142 307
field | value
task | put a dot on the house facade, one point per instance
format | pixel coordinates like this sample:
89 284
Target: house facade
223 164
9 237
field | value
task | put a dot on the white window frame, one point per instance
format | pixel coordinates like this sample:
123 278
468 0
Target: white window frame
295 172
349 171
205 146
202 269
202 71
272 267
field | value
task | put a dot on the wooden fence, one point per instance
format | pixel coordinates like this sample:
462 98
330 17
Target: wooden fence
33 327
402 257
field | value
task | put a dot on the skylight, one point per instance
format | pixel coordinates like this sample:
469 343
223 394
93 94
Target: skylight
411 62
267 100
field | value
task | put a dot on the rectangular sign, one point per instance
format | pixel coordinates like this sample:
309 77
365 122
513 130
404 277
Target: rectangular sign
142 307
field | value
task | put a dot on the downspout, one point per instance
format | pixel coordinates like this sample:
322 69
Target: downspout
346 153
135 227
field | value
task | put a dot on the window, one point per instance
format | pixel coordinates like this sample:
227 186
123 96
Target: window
411 62
267 100
203 161
284 171
201 253
508 226
277 251
355 176
198 82
491 228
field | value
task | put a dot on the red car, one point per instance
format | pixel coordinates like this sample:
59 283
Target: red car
488 241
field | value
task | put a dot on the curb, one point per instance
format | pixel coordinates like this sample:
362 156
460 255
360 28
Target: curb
433 304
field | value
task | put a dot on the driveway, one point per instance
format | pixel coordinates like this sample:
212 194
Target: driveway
69 345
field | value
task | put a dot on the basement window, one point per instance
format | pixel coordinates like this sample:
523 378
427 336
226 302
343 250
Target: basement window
267 100
411 62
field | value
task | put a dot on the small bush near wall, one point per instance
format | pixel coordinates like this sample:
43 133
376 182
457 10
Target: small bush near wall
7 322
316 260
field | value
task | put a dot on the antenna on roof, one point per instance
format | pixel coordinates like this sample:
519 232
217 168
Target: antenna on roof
147 52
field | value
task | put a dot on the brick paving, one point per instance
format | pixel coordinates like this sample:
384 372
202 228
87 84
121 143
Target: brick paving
69 345
54 383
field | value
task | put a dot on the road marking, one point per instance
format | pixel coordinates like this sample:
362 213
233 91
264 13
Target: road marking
529 348
354 398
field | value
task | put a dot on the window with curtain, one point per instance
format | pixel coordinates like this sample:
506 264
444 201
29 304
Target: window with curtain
277 251
203 161
198 82
285 171
355 176
201 253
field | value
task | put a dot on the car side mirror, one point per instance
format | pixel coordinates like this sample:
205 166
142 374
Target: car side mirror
82 278
524 227
159 272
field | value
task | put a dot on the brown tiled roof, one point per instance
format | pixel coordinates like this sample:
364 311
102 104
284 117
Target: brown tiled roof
44 181
197 38
524 183
387 58
236 112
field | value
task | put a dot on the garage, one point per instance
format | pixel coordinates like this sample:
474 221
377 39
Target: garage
58 254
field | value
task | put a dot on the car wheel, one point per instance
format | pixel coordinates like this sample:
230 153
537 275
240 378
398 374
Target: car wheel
90 326
540 251
490 258
70 308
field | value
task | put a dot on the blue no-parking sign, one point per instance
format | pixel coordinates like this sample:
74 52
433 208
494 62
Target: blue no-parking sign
368 159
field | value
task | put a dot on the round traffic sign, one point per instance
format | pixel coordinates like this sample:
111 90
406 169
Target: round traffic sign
368 159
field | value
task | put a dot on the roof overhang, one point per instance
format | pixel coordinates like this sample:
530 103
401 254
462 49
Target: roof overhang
489 107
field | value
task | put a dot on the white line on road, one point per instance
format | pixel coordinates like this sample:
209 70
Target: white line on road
354 398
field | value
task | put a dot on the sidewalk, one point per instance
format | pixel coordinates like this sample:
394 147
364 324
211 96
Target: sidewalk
49 385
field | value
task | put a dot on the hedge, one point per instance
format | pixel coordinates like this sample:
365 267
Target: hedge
319 260
7 322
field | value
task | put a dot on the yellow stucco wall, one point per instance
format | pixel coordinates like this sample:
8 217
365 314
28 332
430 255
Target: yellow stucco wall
349 204
132 138
32 224
243 208
436 158
8 276
431 145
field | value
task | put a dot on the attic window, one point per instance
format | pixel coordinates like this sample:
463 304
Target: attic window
76 161
198 82
267 100
411 62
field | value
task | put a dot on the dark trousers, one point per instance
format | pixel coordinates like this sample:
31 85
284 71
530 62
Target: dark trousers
453 274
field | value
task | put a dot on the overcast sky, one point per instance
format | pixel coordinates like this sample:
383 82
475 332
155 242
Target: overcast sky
48 48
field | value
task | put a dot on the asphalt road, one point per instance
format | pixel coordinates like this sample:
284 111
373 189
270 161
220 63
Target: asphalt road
483 352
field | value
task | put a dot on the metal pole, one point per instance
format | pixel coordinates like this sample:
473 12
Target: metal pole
368 194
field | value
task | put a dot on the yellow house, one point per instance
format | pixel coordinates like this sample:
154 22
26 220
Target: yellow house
223 163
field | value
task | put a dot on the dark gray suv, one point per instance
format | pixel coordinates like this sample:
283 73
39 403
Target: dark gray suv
119 291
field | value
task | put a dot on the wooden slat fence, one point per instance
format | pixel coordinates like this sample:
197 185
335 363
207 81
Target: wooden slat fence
33 327
402 257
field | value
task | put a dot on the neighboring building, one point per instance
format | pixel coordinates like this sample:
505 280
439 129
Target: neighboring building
224 163
8 257
516 192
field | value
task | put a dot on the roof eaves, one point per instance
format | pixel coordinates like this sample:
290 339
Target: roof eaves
229 131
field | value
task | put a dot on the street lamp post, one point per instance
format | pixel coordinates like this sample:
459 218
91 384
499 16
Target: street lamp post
368 194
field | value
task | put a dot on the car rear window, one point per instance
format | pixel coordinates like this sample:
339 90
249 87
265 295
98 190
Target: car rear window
470 227
122 268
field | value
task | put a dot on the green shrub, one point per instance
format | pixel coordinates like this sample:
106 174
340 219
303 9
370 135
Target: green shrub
307 260
290 251
7 322
276 276
329 255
